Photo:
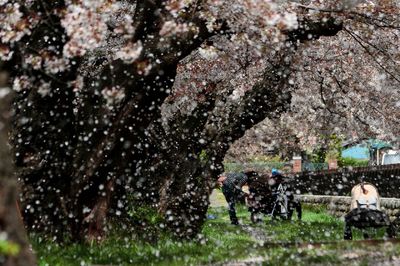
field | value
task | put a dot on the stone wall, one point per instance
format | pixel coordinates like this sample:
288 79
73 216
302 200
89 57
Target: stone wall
340 182
340 205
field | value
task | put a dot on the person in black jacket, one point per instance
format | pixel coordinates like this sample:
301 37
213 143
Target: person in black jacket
231 185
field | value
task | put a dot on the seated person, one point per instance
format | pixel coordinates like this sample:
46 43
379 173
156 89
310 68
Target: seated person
363 196
365 211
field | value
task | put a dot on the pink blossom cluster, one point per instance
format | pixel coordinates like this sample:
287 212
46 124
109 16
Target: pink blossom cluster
86 25
129 52
13 25
172 28
113 95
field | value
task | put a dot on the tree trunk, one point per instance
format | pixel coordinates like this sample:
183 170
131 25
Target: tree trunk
184 195
97 218
10 218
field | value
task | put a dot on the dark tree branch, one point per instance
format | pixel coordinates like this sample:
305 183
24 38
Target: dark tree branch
372 55
312 30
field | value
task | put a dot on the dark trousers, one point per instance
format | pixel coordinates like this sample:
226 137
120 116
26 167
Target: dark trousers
363 218
230 197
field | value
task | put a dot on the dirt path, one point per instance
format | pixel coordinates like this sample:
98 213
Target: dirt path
217 199
259 235
357 255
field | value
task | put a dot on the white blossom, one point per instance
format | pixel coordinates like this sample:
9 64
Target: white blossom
208 52
85 24
12 24
290 21
21 83
55 65
34 61
130 52
5 53
44 88
171 28
113 95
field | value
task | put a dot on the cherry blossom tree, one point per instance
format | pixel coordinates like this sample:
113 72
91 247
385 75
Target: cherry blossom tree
141 100
345 85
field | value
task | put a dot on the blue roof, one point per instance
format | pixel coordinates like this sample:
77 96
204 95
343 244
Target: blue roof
359 151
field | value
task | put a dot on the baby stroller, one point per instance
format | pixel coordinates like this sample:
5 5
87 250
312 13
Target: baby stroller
365 211
276 200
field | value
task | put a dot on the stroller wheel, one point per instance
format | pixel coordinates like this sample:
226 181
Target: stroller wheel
285 217
289 215
255 218
391 231
348 234
395 226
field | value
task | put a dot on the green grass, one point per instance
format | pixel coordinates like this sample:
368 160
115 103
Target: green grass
274 242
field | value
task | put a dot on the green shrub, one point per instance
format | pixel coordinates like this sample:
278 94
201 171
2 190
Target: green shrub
8 248
353 162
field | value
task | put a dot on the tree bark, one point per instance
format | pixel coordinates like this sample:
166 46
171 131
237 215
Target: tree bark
10 217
